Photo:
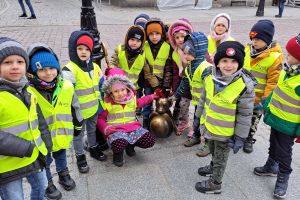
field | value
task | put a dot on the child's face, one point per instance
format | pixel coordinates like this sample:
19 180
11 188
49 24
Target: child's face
134 43
179 38
154 37
13 68
220 29
83 52
47 74
228 66
188 56
258 43
119 93
291 60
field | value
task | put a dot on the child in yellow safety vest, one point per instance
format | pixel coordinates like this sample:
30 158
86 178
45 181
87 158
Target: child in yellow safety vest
87 79
282 113
24 136
118 121
60 107
226 106
264 60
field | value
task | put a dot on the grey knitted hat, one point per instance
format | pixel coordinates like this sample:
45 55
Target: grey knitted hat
10 47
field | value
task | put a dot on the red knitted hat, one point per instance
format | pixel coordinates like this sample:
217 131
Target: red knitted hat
87 41
293 47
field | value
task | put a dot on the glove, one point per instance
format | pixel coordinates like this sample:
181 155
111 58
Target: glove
172 98
110 130
297 139
236 142
158 93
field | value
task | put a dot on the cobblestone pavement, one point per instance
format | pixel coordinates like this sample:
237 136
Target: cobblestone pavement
168 170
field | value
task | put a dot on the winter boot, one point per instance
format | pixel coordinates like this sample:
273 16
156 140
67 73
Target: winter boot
82 164
23 15
269 169
206 170
130 150
248 145
191 142
209 186
203 150
96 153
281 185
52 192
146 123
65 180
118 159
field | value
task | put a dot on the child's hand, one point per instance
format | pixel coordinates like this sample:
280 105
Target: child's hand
236 142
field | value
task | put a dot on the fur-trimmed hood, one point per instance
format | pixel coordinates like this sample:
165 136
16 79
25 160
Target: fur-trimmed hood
179 22
116 78
212 24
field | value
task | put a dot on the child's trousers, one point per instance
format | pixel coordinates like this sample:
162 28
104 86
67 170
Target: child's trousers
60 159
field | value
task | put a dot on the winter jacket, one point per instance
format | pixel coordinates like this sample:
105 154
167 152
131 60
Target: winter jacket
273 70
12 145
245 102
200 43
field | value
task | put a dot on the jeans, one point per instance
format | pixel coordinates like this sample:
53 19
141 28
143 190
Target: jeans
14 190
90 127
60 159
29 6
281 6
148 108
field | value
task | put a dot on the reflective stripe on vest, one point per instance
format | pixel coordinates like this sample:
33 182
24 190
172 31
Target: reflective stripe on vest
136 68
159 63
195 80
16 119
86 88
212 44
117 114
285 103
59 117
221 107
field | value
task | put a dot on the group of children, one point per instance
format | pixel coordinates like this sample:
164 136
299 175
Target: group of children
230 85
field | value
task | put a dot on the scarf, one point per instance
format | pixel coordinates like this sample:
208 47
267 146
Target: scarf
40 84
291 70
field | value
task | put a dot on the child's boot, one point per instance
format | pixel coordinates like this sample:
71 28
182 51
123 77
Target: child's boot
52 192
130 150
203 150
118 159
191 142
248 145
209 186
96 153
82 164
269 169
281 185
206 170
65 180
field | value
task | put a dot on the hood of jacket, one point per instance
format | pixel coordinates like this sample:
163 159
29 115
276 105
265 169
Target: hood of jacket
212 24
116 78
177 23
73 48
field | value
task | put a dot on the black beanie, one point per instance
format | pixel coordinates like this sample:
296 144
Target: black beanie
135 32
230 49
264 30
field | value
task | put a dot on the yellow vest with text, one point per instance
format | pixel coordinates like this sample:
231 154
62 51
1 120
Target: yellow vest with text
136 68
212 44
195 80
221 107
87 89
159 63
59 117
16 119
260 70
117 114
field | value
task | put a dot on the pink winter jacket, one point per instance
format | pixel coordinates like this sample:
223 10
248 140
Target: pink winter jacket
102 117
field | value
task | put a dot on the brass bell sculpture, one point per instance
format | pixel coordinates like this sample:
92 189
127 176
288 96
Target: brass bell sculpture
161 121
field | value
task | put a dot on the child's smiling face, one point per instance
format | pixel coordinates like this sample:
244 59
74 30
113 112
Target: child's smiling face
83 52
228 66
47 74
13 68
119 93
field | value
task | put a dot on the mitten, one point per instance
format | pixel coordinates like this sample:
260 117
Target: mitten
236 142
158 93
297 139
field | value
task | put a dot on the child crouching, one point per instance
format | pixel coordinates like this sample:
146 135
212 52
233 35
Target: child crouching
118 122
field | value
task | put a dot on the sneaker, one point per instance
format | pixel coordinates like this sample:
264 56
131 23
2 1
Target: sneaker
191 142
23 15
32 17
130 150
206 170
203 150
209 186
52 192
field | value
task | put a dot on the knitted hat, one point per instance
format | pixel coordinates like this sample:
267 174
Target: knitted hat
10 47
293 47
188 47
43 59
264 30
87 41
154 27
230 49
113 72
141 20
222 20
135 32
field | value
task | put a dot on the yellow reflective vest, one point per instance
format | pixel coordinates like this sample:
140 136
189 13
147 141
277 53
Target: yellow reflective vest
59 116
176 58
221 107
136 68
87 89
117 114
16 119
212 44
158 65
195 80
